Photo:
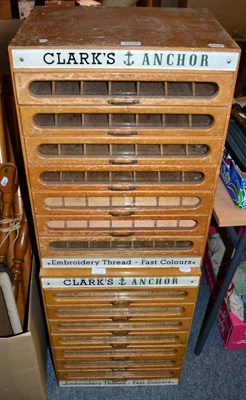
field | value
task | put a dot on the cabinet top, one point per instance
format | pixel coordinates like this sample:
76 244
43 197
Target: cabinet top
116 27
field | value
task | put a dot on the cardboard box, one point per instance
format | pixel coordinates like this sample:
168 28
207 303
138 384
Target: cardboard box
23 357
235 181
232 329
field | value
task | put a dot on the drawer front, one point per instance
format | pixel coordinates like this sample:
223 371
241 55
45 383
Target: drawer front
76 296
113 204
73 150
57 326
101 246
109 88
126 226
119 339
120 375
135 121
163 353
122 179
131 312
105 365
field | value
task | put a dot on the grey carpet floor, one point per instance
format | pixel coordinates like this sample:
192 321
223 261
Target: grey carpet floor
216 374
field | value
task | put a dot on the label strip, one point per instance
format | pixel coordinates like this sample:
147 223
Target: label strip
126 282
125 59
119 262
126 383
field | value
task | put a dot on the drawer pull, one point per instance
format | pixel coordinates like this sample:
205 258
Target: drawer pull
120 303
122 189
118 345
126 162
120 319
126 214
123 103
127 234
120 333
115 133
119 358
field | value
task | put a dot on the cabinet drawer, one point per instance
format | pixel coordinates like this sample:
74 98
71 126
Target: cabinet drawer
127 226
120 375
132 313
122 179
80 296
119 323
101 246
123 121
119 339
114 204
83 150
163 353
103 89
121 363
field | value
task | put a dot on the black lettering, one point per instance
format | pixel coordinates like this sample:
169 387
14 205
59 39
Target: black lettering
110 281
110 58
59 61
91 282
67 282
72 59
48 55
95 58
100 281
84 58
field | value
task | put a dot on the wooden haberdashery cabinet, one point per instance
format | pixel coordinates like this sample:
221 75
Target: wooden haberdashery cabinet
123 115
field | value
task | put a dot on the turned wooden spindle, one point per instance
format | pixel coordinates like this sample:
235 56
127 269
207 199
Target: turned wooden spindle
20 249
8 187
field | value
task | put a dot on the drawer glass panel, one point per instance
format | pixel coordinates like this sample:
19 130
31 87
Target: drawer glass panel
150 177
123 201
122 88
122 150
151 245
82 120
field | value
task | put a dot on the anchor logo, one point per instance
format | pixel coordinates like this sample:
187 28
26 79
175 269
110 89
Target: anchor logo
129 62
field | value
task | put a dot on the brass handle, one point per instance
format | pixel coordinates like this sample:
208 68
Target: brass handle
120 333
123 103
127 234
118 345
119 303
121 189
120 319
126 162
119 358
126 214
115 133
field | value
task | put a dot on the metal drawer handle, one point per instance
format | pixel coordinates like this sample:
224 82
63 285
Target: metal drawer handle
127 234
120 319
120 333
123 103
120 358
121 189
126 162
118 345
126 214
120 303
115 133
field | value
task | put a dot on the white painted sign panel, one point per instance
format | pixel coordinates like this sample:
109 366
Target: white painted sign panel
138 382
124 59
126 282
126 262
